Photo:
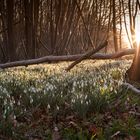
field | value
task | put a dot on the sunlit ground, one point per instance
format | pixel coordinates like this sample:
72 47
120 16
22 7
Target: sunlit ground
87 98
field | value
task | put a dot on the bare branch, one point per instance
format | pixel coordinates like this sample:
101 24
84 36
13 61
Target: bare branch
87 55
135 90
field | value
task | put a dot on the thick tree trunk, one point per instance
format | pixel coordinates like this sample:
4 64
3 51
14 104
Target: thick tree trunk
28 29
134 71
31 22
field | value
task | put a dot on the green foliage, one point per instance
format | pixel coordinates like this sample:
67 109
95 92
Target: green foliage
71 134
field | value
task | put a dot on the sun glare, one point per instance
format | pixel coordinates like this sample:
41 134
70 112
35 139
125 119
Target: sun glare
138 38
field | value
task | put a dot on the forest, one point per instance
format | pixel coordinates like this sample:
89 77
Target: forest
69 69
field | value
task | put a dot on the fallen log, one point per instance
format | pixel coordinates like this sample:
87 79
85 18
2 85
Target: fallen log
54 59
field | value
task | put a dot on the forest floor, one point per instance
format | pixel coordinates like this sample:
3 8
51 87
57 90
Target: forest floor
43 102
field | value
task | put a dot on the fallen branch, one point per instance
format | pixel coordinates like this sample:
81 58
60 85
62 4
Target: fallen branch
66 58
131 87
87 55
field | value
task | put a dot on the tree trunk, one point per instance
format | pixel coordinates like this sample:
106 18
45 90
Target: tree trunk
4 47
35 31
132 19
10 31
134 71
114 26
31 24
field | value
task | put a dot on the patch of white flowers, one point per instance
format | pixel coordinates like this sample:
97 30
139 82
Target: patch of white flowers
52 86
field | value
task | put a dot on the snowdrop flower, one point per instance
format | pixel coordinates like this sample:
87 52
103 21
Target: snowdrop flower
57 107
48 106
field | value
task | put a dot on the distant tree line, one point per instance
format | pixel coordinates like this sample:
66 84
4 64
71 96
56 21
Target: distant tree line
35 28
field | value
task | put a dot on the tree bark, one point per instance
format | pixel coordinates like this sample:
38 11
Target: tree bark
10 30
31 23
66 58
114 25
134 71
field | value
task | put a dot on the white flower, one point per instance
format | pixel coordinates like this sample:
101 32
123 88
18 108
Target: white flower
48 106
57 107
